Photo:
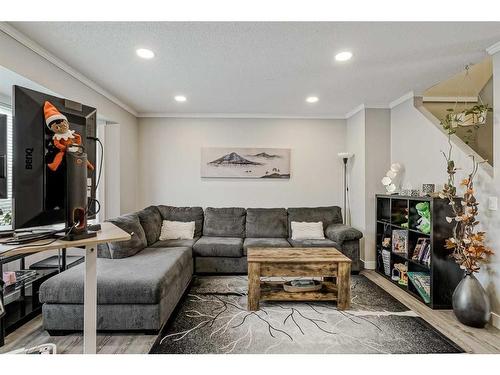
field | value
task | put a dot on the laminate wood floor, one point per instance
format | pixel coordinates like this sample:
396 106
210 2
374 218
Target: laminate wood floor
472 340
32 334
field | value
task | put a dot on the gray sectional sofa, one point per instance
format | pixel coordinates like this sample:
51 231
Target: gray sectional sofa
140 281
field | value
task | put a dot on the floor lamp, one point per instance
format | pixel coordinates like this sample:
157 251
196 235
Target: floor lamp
345 156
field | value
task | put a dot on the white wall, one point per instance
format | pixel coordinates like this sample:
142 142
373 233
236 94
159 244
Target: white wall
417 144
170 162
23 61
368 137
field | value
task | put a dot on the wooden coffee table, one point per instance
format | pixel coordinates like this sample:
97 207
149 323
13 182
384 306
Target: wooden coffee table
297 262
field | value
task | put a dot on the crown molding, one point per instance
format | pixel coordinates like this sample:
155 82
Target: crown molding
362 107
39 50
493 49
401 99
355 110
239 115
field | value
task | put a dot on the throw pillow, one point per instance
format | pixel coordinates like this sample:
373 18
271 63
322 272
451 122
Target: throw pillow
307 231
177 230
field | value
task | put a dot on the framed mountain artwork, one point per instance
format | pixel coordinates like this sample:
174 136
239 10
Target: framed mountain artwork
222 162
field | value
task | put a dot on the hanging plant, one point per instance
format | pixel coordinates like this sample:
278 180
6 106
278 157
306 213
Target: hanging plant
450 121
473 116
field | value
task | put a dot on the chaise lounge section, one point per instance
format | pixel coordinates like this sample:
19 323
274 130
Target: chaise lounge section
140 281
138 286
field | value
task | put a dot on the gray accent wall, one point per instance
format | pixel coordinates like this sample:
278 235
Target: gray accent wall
369 138
170 151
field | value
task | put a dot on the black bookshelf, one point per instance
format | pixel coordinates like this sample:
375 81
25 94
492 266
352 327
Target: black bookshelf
399 212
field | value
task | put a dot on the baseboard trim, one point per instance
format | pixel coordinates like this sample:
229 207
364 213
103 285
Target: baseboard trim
495 320
369 264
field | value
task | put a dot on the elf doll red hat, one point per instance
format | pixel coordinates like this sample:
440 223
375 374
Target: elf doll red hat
63 137
52 114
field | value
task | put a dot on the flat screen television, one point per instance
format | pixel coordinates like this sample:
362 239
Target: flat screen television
3 157
39 194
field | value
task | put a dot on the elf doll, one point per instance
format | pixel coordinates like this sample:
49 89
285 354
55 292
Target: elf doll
63 137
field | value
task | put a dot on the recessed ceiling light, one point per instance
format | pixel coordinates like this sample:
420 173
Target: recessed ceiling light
145 53
180 98
312 99
343 56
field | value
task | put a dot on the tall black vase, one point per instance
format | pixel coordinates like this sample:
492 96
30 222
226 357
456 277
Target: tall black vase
470 302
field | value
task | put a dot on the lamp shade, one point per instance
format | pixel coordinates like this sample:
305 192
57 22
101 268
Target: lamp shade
345 155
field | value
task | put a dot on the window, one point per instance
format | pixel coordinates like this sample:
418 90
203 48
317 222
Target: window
6 204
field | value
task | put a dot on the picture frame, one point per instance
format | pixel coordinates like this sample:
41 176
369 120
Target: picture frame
245 162
400 242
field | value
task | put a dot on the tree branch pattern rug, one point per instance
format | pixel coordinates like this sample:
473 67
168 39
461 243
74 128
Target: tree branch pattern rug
212 318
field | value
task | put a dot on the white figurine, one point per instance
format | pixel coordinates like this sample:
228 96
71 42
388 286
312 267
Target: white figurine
390 180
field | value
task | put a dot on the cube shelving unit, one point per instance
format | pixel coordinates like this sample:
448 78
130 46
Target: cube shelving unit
399 212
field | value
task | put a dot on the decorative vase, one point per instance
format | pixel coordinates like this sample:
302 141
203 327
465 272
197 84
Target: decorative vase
427 189
470 302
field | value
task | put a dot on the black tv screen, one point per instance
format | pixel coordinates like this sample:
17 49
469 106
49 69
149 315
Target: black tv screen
39 194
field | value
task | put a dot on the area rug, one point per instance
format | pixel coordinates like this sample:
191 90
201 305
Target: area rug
212 318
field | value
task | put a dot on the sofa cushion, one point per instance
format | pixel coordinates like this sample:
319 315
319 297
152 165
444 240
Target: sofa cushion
224 222
208 246
340 233
129 223
314 243
103 250
327 215
266 223
176 243
222 265
184 214
150 219
141 279
264 242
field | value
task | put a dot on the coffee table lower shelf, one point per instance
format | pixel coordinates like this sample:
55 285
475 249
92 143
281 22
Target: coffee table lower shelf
273 291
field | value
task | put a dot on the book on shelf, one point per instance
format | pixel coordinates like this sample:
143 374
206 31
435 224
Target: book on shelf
422 282
425 255
420 245
400 241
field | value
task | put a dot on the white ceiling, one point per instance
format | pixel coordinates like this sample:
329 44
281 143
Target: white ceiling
259 68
